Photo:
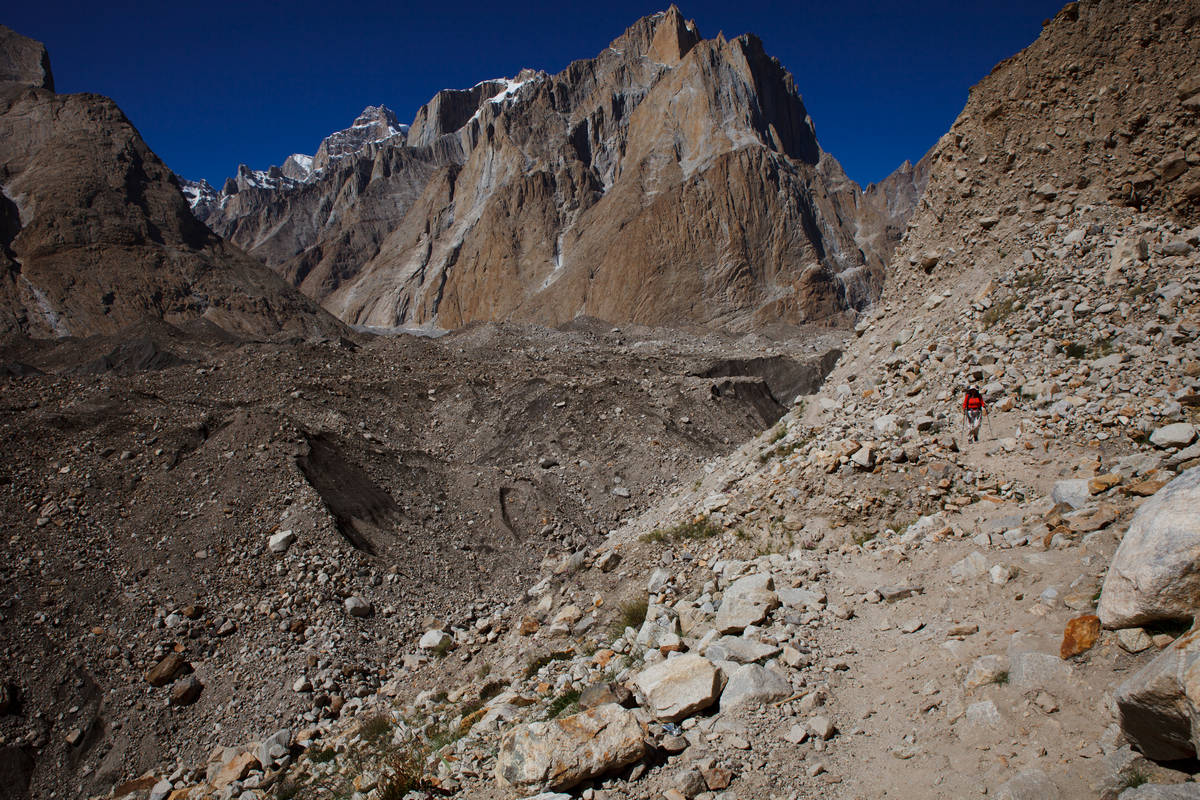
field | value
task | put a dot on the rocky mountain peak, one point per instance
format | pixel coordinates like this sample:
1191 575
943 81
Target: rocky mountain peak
24 60
507 200
673 37
374 124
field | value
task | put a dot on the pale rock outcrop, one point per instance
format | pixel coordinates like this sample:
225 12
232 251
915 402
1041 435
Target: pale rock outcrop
1153 576
562 753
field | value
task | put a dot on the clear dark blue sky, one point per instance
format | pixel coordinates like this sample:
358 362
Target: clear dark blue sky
216 83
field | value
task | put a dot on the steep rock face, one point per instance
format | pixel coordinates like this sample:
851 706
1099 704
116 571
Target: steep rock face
95 234
668 179
23 60
1102 109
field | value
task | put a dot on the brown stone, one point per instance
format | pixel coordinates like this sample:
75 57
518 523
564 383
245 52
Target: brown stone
1102 483
1144 488
529 626
1080 634
716 778
186 691
235 769
168 670
142 784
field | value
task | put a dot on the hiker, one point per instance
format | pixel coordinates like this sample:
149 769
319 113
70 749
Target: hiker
973 410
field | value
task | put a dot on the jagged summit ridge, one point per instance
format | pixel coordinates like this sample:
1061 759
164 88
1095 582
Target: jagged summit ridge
668 178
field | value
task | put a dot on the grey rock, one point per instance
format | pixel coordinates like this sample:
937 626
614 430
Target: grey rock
280 542
739 649
1074 493
746 602
358 607
1179 434
752 684
562 753
1153 576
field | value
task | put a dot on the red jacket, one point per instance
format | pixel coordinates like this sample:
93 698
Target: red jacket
972 403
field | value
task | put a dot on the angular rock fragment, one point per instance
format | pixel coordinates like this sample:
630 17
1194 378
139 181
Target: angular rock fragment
679 687
562 753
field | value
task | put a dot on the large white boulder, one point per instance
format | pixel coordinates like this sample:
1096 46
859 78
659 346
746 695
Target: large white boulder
679 687
562 753
1153 576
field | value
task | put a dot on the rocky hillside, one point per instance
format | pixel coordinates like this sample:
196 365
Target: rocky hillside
670 178
863 602
94 233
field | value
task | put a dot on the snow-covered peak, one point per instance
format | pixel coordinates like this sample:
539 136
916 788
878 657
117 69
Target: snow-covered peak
375 124
199 194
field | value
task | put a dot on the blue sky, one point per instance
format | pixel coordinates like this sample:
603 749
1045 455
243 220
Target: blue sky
211 85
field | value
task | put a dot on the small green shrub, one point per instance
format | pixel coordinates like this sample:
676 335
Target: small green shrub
1133 779
375 727
1075 350
563 703
630 614
697 529
1001 679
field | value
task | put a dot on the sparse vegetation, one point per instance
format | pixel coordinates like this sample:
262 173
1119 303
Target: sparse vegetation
1133 779
1075 350
537 662
322 755
999 311
404 773
1001 679
630 614
699 528
566 702
375 727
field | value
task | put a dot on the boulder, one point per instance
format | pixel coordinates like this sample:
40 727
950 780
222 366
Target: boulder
1179 434
435 640
739 649
751 683
1158 707
679 687
186 691
562 753
747 601
1153 576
